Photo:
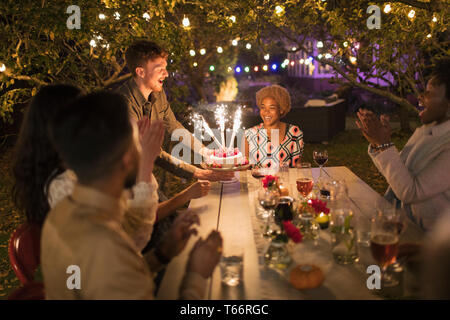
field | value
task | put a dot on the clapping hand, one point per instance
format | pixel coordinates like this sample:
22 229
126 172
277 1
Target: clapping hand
151 135
205 255
376 130
179 234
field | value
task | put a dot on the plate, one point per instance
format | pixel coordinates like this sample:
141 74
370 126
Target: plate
237 168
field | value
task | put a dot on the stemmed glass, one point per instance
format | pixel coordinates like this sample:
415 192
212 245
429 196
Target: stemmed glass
268 199
321 158
384 238
304 180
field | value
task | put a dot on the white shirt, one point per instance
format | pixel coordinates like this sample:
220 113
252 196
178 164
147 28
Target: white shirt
140 214
419 175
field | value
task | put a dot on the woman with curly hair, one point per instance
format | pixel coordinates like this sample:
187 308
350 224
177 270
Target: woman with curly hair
272 142
36 162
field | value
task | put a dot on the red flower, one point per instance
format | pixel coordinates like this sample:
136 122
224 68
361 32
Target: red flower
292 232
319 206
269 180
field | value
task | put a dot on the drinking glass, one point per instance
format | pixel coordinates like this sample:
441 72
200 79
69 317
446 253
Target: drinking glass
231 265
343 236
268 199
321 158
304 180
384 238
258 172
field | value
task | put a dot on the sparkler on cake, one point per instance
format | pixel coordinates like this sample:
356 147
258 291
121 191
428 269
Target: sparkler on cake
224 157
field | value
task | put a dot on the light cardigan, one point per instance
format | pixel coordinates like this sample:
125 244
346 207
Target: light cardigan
419 175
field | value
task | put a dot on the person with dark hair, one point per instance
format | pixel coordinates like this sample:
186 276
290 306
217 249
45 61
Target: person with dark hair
36 162
418 175
96 139
145 97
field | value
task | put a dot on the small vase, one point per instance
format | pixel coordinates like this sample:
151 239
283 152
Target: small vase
277 255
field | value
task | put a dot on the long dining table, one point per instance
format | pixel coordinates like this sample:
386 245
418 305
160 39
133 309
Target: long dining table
231 209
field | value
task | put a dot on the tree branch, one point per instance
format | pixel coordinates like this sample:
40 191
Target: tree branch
23 77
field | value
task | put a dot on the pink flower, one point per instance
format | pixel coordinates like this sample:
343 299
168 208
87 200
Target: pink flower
269 180
292 232
319 206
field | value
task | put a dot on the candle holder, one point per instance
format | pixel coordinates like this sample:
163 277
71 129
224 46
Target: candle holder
323 220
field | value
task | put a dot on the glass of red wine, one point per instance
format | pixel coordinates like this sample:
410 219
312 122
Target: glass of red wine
384 239
321 158
258 172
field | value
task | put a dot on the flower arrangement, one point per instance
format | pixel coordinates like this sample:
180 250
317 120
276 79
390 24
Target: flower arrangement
319 209
292 232
270 182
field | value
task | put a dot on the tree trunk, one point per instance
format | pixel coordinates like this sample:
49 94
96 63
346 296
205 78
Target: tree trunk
404 120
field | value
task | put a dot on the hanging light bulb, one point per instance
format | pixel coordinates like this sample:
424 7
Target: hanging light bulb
234 42
248 46
387 8
229 69
92 43
294 49
2 67
320 44
212 68
327 56
195 64
265 67
219 49
279 10
247 69
117 15
186 23
238 69
266 57
301 61
434 19
256 69
146 16
353 60
233 18
274 66
429 35
345 44
319 56
293 63
286 61
101 16
202 52
192 53
411 14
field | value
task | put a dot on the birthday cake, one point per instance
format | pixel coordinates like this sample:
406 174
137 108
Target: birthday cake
229 158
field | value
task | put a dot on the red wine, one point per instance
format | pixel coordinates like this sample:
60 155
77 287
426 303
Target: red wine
320 160
305 186
384 248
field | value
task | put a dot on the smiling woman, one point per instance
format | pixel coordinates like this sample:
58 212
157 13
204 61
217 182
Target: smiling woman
272 142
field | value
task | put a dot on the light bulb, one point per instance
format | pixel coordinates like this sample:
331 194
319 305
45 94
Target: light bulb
202 51
387 8
219 49
101 16
146 16
192 53
320 44
186 23
248 46
266 57
411 14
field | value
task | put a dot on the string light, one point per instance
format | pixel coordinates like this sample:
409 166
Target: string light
286 61
301 61
320 44
429 35
356 45
256 69
293 63
229 69
92 43
387 8
186 23
319 56
233 18
212 68
283 66
202 52
307 61
247 69
294 49
234 42
117 15
219 49
146 16
345 44
434 19
327 56
248 46
195 64
411 14
266 57
265 68
279 10
274 66
101 16
192 53
238 69
353 60
2 67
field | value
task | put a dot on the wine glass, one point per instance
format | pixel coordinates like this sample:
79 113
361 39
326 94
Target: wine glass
304 180
268 199
384 238
321 158
258 172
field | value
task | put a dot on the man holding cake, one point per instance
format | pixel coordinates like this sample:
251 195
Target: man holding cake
146 98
